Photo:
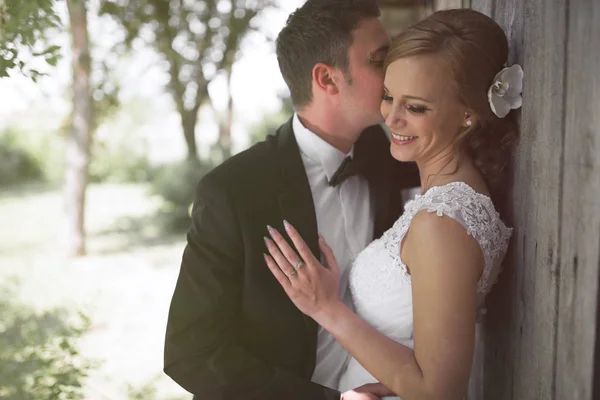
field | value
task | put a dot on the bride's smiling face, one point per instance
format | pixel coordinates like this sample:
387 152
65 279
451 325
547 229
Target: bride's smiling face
421 108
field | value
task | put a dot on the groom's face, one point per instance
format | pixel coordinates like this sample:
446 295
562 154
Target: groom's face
362 95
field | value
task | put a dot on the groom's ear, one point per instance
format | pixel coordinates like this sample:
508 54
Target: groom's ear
324 79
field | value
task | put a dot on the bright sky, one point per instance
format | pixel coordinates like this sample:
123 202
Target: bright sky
256 81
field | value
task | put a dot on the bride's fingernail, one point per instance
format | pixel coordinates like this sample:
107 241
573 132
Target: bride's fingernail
286 225
270 229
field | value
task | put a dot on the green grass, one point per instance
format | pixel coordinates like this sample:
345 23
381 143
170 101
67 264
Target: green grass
124 284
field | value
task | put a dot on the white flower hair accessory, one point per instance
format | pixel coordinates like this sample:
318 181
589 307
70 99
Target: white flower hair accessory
505 93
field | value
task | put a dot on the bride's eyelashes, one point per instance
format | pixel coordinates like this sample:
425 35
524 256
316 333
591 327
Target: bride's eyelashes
417 109
414 109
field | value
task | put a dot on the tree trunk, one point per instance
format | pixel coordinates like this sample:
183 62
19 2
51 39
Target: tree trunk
79 140
226 123
188 122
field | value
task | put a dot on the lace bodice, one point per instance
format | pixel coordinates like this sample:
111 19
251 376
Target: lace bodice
380 283
473 210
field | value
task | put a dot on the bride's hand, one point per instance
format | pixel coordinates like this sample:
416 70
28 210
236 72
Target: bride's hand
312 287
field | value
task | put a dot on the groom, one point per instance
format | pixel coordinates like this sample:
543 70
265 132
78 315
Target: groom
232 332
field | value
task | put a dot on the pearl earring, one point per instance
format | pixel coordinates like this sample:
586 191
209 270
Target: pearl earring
469 123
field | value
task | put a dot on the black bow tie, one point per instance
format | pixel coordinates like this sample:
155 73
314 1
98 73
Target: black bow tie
345 171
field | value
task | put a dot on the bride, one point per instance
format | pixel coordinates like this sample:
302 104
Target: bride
419 289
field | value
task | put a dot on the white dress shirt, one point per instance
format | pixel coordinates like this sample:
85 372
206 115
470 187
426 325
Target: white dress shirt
345 218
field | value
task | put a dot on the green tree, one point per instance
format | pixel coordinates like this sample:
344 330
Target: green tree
197 39
23 32
24 27
222 149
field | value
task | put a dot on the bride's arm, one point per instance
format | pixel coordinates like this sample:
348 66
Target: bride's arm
445 264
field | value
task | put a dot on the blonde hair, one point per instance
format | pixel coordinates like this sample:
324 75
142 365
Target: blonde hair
474 48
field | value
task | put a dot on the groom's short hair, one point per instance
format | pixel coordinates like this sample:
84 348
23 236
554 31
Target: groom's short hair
318 32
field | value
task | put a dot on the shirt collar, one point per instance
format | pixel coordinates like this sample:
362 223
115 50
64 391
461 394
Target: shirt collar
317 149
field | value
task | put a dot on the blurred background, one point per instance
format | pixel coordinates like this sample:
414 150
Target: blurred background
110 112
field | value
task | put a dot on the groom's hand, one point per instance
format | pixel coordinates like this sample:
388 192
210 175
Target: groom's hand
370 391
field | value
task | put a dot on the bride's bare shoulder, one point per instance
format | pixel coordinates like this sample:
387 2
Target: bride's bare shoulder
433 240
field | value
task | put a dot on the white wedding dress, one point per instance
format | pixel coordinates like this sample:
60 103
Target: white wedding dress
381 285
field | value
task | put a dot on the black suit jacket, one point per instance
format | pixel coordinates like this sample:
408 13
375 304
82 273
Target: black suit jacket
232 332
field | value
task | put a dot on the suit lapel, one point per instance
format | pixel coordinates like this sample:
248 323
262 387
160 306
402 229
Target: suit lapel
297 207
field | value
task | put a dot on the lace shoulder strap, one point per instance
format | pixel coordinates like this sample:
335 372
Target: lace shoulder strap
472 210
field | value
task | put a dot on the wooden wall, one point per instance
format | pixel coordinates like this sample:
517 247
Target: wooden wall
541 333
398 16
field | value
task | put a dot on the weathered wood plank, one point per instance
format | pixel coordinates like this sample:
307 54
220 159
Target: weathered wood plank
520 336
396 19
580 229
450 4
483 6
596 389
402 3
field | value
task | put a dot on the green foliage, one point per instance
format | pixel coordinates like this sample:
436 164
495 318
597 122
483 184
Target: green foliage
146 392
30 156
271 122
23 28
119 167
149 391
105 100
39 359
18 163
119 150
119 160
176 185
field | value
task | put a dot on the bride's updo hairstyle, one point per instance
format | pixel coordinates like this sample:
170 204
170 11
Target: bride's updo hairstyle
475 49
